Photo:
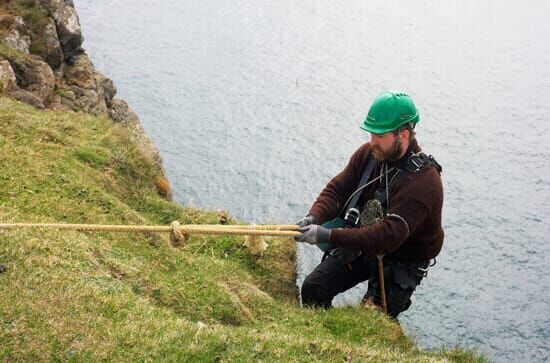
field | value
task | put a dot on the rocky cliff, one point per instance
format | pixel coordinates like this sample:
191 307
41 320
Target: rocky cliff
42 63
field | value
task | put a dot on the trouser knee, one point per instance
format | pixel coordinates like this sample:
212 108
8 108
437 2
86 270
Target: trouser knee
400 282
314 294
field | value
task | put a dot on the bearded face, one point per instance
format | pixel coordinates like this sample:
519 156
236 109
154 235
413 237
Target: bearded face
387 147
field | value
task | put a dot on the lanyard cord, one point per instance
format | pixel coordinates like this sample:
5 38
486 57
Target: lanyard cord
364 186
387 190
388 184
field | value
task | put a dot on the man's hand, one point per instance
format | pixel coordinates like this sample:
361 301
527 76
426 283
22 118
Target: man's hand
306 221
313 234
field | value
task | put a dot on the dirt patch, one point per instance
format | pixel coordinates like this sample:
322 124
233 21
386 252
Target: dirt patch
7 20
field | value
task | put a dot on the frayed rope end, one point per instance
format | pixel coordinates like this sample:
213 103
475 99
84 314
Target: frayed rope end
255 244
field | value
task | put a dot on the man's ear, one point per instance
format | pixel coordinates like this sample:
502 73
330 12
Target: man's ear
403 136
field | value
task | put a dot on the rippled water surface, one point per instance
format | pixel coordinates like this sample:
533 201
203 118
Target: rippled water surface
256 105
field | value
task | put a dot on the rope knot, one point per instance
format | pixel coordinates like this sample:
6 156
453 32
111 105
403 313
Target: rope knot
177 238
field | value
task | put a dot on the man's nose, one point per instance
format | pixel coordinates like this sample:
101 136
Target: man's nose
374 139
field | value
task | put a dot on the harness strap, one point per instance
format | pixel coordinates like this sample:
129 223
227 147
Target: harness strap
413 164
419 160
366 175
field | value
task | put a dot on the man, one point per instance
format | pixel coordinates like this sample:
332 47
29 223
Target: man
402 189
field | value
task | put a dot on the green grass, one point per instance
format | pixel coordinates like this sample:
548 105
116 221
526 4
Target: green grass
60 93
70 296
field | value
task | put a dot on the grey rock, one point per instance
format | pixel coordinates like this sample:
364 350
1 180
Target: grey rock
15 39
67 94
3 268
62 99
88 100
8 82
67 104
44 80
34 75
57 102
120 112
68 27
27 97
19 23
53 54
80 72
93 91
108 88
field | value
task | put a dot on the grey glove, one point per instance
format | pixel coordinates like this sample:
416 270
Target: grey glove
313 234
306 221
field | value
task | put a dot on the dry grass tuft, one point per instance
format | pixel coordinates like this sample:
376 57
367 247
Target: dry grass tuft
163 187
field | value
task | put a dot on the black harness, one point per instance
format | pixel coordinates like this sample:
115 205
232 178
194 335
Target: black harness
350 214
414 163
417 161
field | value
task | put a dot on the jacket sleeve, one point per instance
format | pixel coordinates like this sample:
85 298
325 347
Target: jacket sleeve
331 200
409 210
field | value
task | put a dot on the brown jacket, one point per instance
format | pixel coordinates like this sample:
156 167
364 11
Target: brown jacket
415 197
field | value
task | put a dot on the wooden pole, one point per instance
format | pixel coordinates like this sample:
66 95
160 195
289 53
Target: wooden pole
381 280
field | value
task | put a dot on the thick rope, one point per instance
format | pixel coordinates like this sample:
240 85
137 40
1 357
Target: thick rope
250 230
275 227
179 234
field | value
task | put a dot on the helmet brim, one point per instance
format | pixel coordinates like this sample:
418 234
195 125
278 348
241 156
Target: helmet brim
377 129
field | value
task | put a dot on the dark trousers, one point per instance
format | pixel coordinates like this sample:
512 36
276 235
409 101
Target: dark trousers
332 277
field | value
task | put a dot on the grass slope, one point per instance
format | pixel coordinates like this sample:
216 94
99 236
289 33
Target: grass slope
74 296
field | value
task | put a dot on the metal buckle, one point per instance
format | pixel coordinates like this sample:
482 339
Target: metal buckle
423 271
416 160
352 213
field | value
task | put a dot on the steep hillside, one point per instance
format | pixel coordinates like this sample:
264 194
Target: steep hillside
70 296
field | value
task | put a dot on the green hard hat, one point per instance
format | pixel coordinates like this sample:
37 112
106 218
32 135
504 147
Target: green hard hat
389 111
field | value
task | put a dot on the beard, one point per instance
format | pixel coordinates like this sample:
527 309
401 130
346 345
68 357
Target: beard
390 155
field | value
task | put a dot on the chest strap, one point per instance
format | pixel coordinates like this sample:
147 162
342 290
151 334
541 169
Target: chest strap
352 213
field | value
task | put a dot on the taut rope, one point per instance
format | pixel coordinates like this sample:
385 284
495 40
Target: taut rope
283 230
179 234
